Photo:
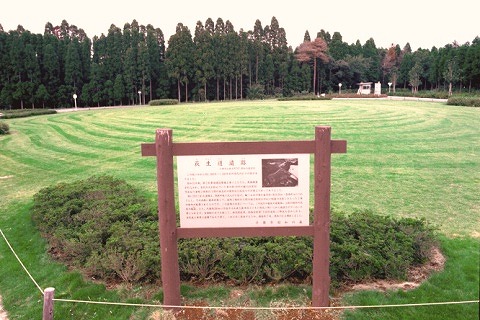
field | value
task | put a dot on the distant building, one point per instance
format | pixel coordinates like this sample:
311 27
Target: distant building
364 88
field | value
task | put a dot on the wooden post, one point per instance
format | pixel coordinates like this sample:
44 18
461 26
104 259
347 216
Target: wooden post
321 223
167 218
48 303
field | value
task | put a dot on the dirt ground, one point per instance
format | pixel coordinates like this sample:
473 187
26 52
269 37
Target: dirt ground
415 278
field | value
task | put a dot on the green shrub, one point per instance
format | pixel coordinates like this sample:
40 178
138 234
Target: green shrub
22 113
256 92
4 128
365 245
464 101
428 94
305 97
163 102
102 225
356 96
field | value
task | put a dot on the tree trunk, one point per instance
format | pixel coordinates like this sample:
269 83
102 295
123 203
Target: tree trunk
224 89
241 87
205 91
236 87
178 90
151 94
186 91
218 89
314 75
249 72
256 70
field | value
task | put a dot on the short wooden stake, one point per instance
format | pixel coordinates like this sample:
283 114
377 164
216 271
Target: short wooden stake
48 303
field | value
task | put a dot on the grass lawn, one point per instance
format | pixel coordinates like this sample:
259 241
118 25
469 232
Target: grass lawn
405 159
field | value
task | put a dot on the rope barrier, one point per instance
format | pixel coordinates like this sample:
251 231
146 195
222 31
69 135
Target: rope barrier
267 308
20 261
231 307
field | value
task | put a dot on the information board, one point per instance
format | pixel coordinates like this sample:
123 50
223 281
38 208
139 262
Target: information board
268 190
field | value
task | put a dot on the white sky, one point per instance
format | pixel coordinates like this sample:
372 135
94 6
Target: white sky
422 23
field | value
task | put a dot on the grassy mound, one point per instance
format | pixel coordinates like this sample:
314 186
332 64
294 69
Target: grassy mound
105 227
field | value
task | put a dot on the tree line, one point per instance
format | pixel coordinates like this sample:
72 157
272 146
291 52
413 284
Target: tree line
135 64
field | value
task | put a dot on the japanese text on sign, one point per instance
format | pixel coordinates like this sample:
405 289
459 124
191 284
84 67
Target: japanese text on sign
244 190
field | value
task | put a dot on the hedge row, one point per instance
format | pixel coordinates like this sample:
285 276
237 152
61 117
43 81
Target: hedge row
163 102
431 94
304 97
107 229
22 113
464 101
357 96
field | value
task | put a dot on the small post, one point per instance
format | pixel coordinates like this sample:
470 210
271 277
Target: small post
48 303
321 223
75 99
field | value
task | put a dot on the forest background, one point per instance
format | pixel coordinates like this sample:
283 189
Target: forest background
136 64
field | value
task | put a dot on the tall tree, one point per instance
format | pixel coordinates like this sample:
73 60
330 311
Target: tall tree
258 52
390 65
338 49
179 58
314 50
73 71
220 55
204 56
370 51
414 77
306 37
451 73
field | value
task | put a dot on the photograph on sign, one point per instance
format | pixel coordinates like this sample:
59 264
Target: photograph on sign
244 190
279 172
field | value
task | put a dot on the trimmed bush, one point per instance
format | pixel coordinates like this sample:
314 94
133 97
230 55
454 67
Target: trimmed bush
104 227
163 102
369 246
363 246
22 113
4 128
464 101
428 94
356 96
101 225
305 97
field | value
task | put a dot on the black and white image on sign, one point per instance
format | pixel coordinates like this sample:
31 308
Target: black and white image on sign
279 173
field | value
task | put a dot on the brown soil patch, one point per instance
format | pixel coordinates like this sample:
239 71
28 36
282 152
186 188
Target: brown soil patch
239 314
416 276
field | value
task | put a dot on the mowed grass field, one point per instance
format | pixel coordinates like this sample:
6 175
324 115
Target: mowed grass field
404 159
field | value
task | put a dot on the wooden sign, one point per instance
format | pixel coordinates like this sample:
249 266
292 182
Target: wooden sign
285 154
